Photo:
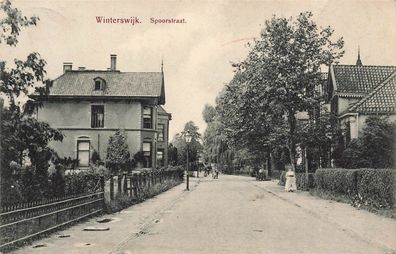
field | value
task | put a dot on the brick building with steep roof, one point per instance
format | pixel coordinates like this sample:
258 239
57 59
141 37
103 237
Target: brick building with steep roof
88 106
357 91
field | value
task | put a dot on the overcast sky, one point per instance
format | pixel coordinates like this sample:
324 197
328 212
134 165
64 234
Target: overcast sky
196 54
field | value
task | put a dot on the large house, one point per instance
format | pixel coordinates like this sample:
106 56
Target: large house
358 91
88 106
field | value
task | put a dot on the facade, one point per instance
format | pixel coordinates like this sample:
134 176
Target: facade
355 92
88 106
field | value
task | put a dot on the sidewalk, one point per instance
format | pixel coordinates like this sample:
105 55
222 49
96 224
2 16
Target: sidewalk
369 227
125 225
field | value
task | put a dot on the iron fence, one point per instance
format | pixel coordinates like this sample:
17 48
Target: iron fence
20 222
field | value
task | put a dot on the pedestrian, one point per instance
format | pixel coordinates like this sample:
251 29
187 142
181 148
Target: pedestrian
290 180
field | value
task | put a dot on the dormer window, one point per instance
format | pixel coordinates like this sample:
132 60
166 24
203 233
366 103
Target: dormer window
99 84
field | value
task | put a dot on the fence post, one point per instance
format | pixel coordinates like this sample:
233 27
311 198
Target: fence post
135 187
130 186
125 183
111 187
148 180
119 183
102 187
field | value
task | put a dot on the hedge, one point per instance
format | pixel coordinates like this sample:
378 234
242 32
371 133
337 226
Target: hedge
301 180
368 187
337 181
81 182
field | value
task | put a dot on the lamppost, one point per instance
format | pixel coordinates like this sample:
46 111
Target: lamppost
188 140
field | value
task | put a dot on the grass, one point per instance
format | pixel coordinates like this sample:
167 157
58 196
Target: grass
389 213
124 200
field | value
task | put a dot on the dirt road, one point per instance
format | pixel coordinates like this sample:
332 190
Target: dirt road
232 215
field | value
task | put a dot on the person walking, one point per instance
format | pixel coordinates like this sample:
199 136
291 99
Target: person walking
290 180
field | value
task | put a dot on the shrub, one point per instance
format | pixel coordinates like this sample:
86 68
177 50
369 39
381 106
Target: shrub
337 180
118 156
301 181
373 188
373 148
82 182
122 201
376 188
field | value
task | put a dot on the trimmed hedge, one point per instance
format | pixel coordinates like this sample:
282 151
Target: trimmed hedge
337 180
376 187
301 180
368 187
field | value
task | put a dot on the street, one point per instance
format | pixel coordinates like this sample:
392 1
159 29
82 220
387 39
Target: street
232 214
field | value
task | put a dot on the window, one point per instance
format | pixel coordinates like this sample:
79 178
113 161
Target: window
83 153
347 133
147 154
160 158
161 132
98 85
148 117
97 116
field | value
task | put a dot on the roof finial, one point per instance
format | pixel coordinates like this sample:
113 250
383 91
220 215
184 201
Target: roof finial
359 62
162 64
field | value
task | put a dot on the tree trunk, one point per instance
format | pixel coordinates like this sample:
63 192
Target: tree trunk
292 146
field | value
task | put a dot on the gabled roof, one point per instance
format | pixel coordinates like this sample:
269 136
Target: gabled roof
381 100
162 111
118 84
359 80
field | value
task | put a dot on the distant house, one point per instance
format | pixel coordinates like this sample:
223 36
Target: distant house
88 106
358 91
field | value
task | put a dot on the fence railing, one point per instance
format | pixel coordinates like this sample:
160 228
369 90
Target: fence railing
21 222
133 184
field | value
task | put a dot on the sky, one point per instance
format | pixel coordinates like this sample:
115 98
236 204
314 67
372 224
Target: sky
197 54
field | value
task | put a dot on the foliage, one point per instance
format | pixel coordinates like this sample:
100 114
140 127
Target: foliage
95 157
67 162
12 24
122 201
172 155
25 153
373 188
118 156
139 156
376 188
209 113
374 147
258 107
194 147
337 180
82 182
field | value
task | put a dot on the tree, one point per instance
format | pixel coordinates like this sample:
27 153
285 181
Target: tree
172 155
194 147
281 70
374 148
118 156
12 24
24 140
208 113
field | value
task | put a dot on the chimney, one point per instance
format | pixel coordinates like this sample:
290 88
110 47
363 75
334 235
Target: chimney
67 66
113 62
81 68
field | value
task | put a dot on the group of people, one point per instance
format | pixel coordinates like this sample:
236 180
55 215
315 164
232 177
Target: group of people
211 170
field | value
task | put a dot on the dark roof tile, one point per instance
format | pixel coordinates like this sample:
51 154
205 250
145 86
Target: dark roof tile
381 100
360 79
123 84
